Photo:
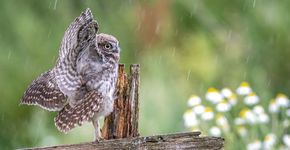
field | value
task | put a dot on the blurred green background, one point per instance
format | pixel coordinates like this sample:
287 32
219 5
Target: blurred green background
183 47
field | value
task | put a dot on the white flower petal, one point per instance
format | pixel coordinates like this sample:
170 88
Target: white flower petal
190 119
226 92
193 101
215 131
199 109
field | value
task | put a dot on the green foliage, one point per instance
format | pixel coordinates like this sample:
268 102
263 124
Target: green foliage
182 46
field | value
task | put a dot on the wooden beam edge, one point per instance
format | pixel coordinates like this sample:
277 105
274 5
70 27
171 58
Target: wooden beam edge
186 140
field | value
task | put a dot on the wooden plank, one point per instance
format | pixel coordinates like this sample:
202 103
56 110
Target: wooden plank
180 141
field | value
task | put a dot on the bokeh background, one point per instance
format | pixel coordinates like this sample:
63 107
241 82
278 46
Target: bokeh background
183 47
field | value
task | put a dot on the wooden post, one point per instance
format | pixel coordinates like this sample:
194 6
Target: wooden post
123 121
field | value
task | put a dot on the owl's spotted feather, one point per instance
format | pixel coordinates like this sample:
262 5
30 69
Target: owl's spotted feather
82 83
45 93
69 116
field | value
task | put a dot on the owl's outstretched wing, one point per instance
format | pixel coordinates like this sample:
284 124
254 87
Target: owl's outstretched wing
70 39
69 116
45 93
79 34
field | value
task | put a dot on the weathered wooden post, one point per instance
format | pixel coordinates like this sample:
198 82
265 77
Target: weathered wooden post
123 121
121 127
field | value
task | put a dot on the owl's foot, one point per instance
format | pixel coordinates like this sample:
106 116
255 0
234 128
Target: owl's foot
98 134
99 139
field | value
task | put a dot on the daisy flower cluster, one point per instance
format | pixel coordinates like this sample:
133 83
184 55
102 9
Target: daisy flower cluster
241 117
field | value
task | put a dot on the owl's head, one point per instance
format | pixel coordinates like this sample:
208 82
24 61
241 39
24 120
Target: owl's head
108 46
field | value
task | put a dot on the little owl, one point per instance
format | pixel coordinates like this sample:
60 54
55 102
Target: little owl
81 85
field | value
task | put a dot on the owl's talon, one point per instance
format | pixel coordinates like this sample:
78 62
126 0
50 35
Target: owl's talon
99 139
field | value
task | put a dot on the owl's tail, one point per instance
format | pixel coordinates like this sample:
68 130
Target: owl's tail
70 116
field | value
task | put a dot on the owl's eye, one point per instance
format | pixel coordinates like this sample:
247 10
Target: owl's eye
108 46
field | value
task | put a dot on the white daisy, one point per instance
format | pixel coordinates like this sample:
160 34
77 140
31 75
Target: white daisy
288 112
269 141
222 122
263 118
258 109
208 114
282 100
286 123
251 99
226 92
240 121
223 106
286 140
244 89
256 145
233 100
193 101
273 107
199 109
248 115
213 95
215 131
190 118
242 131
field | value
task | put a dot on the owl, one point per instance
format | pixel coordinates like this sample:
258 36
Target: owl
81 85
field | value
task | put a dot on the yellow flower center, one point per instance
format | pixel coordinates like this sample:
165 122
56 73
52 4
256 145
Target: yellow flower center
243 112
233 96
272 102
281 95
244 84
268 138
208 109
188 111
211 90
252 94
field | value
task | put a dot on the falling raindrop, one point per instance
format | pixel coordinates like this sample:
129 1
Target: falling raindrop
245 75
136 53
53 59
248 59
268 83
55 3
157 29
49 33
159 60
254 3
230 34
176 32
216 59
173 51
191 14
49 5
138 28
188 75
9 55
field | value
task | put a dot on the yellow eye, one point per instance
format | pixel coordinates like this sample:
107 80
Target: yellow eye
108 46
